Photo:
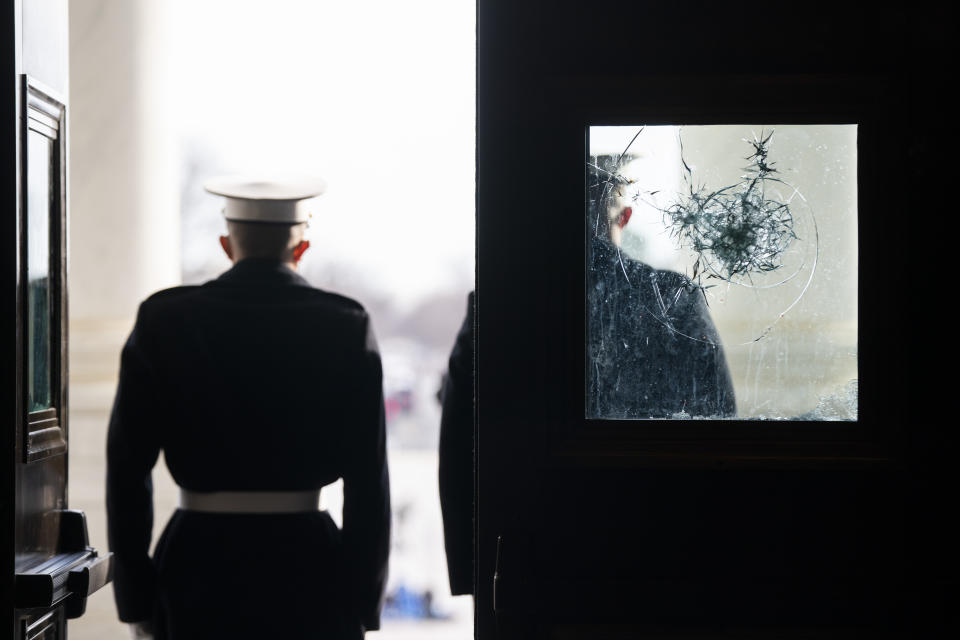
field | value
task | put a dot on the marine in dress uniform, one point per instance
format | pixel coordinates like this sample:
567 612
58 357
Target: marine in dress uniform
260 390
456 459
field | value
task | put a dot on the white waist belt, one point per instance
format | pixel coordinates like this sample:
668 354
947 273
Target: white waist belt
250 501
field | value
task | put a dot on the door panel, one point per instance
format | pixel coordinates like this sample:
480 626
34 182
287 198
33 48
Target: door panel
698 527
53 568
43 269
45 626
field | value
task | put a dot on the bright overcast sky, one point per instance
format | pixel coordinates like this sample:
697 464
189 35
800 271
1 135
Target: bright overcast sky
377 97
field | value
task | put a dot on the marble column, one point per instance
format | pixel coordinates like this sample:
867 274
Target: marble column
124 236
123 179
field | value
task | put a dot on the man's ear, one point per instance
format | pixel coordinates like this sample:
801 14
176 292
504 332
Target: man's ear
227 249
625 216
298 250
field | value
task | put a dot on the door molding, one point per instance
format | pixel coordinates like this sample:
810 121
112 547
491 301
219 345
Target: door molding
43 111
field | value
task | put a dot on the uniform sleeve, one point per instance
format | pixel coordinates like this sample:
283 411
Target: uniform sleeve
132 450
366 492
456 460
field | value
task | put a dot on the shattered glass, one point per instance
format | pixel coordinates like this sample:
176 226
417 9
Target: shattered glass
722 272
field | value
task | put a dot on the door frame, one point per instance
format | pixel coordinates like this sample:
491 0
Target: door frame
537 83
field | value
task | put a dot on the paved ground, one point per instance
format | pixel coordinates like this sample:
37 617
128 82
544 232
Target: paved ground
418 560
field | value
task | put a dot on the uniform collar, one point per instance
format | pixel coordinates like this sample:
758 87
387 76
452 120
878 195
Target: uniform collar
262 271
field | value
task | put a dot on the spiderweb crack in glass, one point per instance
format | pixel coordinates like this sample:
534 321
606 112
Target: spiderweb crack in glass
737 232
738 225
720 243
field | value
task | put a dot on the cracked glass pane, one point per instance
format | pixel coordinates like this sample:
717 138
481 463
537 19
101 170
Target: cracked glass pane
722 272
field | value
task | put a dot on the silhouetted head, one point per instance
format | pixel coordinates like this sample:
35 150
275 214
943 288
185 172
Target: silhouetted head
610 203
269 240
266 217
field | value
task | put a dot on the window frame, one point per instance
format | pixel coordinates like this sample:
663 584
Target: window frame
873 441
45 431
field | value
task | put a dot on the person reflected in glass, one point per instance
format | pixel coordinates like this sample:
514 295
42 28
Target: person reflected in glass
653 350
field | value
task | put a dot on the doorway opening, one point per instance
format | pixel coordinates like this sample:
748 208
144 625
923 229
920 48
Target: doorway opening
375 97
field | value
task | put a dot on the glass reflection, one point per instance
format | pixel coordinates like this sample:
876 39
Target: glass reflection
732 290
39 197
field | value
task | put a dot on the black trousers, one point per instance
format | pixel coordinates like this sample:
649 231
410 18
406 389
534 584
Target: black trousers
252 576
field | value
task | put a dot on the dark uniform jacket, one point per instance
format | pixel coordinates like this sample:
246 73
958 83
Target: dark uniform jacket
653 350
254 381
457 460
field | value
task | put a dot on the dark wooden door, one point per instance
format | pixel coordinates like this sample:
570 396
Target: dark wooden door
50 567
611 528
